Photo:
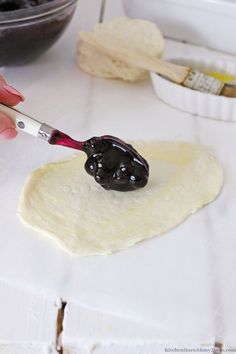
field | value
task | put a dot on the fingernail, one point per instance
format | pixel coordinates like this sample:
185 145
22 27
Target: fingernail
13 91
8 133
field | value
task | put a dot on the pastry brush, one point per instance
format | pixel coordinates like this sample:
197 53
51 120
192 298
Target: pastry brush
182 75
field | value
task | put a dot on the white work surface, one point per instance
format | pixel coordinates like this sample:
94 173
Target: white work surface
176 289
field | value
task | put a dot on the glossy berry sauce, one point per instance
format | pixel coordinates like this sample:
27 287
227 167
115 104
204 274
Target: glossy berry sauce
11 5
114 164
32 31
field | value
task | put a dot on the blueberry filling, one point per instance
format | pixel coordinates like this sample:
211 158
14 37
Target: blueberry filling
26 37
12 5
114 164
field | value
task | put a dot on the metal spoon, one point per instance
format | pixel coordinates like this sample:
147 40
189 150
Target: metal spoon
113 163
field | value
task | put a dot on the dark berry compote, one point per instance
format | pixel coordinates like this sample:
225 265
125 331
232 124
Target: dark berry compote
11 5
29 27
114 164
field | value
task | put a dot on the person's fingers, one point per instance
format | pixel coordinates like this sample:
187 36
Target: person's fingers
7 127
8 94
10 97
2 80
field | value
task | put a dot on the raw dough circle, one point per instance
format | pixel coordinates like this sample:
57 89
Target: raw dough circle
61 201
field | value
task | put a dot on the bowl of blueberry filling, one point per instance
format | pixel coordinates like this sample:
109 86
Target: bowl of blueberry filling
29 27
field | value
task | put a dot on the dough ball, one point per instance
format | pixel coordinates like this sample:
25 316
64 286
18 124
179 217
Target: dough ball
122 36
98 64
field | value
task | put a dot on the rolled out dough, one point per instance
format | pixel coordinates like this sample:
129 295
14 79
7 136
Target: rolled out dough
61 201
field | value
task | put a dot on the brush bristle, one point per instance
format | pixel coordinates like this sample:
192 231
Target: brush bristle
228 91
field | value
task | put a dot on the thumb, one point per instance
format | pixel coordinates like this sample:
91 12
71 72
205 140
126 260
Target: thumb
8 94
7 127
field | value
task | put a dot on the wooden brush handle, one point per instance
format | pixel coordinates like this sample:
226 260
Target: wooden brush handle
173 72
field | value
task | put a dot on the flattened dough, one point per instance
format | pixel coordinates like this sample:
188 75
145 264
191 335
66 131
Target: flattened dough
61 201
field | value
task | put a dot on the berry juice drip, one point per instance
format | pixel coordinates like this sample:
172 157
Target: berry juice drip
59 138
114 164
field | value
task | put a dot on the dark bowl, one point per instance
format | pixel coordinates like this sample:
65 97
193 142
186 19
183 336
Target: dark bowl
27 33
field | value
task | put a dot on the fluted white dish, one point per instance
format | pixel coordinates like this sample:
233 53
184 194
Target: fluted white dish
195 102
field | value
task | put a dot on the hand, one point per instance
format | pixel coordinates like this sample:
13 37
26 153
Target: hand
10 97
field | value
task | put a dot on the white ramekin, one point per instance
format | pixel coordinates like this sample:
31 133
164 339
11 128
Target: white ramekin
194 102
